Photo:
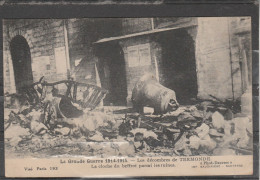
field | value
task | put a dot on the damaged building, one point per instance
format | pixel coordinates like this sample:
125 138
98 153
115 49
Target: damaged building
197 57
207 62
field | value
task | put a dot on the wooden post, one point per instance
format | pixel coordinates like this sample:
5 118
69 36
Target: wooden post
66 47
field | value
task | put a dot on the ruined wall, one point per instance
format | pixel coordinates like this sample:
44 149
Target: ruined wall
213 58
217 55
44 38
240 40
82 33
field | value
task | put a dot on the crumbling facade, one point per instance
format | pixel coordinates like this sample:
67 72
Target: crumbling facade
182 77
197 57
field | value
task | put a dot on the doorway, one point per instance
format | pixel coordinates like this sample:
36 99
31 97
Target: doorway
112 72
21 58
178 64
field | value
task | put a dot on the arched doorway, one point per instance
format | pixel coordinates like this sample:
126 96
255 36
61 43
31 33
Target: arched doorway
21 57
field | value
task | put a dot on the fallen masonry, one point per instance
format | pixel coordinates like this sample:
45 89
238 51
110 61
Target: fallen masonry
61 125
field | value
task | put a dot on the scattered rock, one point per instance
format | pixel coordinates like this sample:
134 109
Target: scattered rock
178 111
192 108
208 115
218 120
208 144
194 142
141 146
182 143
146 133
197 114
148 110
202 131
227 128
38 128
214 132
185 116
228 115
98 137
127 149
15 141
16 131
125 128
224 152
64 131
249 128
35 115
204 105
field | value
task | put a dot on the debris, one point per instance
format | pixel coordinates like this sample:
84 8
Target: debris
182 143
16 131
173 130
141 146
125 128
185 116
186 121
202 131
204 105
207 115
227 128
192 108
214 132
246 102
97 137
178 111
64 131
194 142
197 114
113 131
218 120
148 110
146 133
15 141
224 152
67 109
38 127
127 149
207 144
249 128
228 115
35 115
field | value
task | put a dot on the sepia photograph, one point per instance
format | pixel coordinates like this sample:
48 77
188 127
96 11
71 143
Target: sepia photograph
127 87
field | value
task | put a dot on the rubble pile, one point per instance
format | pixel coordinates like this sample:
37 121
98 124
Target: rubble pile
205 128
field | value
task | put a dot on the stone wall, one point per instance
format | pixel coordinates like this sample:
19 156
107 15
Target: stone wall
217 56
220 44
43 37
